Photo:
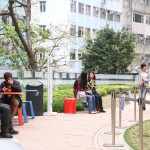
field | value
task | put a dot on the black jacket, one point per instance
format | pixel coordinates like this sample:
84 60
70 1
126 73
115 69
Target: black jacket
15 87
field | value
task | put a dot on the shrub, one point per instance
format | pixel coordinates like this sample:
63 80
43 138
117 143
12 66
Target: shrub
66 91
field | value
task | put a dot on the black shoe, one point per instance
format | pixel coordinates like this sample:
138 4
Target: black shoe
144 108
103 111
12 131
6 135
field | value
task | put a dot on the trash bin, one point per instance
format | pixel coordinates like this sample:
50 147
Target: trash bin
70 105
37 99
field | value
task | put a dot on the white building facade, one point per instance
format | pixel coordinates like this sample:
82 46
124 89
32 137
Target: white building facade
82 17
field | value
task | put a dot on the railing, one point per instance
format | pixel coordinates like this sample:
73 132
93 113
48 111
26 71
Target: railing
118 94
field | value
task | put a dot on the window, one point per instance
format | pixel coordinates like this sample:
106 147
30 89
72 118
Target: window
79 56
147 40
73 6
102 14
94 32
138 18
110 16
42 6
148 20
117 17
72 30
88 10
140 38
72 56
80 31
81 8
43 27
87 31
148 2
95 11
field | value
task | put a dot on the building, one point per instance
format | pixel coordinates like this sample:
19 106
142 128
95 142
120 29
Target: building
136 16
82 17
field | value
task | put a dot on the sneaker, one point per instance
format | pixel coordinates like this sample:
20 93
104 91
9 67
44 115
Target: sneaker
12 131
6 135
93 112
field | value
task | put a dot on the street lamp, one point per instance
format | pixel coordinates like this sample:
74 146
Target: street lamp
50 88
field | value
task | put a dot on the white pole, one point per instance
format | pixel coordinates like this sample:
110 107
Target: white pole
50 87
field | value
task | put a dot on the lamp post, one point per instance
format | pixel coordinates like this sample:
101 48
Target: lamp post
50 88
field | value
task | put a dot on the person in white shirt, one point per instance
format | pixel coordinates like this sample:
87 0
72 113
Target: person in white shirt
143 81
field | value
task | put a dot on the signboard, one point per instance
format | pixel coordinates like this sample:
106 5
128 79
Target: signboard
121 103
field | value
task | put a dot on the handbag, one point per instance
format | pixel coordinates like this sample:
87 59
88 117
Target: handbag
81 94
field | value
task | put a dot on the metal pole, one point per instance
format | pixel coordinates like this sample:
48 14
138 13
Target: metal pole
49 87
113 117
135 103
113 122
140 123
120 112
112 112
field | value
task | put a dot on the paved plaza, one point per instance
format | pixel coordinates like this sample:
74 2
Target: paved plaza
80 131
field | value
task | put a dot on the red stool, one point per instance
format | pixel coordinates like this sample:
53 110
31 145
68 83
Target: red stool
20 117
70 105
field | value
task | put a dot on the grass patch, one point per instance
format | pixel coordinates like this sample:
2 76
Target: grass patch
131 136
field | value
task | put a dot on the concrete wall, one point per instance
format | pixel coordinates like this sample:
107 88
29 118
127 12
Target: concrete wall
37 78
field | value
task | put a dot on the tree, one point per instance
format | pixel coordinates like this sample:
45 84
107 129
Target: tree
109 52
25 39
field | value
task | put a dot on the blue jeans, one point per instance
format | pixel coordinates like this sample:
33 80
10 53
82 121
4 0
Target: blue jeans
91 102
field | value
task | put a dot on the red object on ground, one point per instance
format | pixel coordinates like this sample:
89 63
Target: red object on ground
70 105
20 117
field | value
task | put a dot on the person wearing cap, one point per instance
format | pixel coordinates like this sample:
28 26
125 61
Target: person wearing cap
143 81
11 85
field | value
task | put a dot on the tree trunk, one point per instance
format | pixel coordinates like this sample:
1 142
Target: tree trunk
27 45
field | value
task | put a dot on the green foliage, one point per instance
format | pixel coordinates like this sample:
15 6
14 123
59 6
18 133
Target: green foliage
66 91
132 136
110 52
13 52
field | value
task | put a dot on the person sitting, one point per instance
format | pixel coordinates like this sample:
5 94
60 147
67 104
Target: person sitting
81 85
92 86
11 85
6 122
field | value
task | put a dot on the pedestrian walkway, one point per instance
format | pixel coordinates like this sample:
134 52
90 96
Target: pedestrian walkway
80 131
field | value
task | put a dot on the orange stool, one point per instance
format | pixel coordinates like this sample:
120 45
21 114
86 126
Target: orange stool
20 117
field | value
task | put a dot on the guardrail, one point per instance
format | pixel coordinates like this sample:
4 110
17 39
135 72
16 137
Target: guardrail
118 94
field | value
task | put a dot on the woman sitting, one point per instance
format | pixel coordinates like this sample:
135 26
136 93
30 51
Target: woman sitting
81 85
92 86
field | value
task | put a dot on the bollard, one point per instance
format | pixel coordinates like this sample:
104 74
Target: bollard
113 118
135 89
140 123
135 103
112 105
120 112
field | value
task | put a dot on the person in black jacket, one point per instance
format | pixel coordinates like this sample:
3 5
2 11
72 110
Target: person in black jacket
6 122
11 85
